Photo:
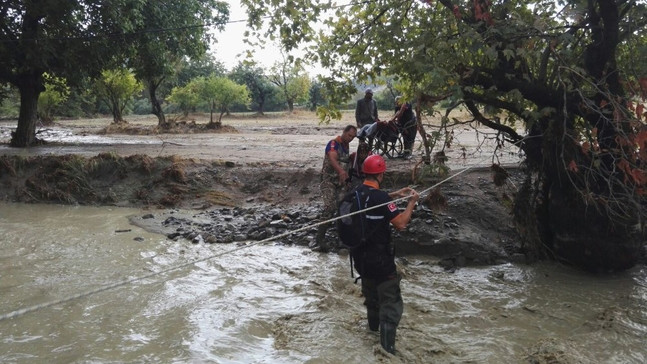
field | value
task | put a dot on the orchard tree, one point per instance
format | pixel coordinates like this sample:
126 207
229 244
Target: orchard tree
168 32
56 92
221 93
292 80
65 38
186 98
116 88
316 95
571 72
259 87
205 66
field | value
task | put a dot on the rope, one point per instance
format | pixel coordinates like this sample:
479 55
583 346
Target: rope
23 311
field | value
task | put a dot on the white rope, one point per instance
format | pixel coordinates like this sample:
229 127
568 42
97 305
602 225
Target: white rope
23 311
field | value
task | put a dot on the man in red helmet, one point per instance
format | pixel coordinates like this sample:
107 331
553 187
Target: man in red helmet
374 259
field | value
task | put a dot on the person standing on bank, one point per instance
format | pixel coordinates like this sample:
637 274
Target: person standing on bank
334 180
406 118
374 259
366 110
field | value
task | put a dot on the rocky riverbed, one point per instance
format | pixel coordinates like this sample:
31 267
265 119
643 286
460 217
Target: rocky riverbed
471 226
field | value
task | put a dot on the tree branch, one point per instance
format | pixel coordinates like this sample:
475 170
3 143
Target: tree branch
512 134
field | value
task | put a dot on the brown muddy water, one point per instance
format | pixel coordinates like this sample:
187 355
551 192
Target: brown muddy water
281 304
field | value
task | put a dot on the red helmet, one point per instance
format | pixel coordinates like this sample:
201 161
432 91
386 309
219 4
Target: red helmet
374 164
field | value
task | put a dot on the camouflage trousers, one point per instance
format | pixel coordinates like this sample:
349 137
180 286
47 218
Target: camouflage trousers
331 193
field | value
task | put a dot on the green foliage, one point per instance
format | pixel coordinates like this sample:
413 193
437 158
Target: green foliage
205 66
262 91
116 88
326 115
9 102
156 53
316 95
186 98
384 101
431 173
293 82
221 93
56 92
297 88
141 106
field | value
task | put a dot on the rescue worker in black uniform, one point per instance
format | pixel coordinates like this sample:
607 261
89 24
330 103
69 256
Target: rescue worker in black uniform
375 259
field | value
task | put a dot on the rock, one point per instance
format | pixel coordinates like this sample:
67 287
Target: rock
210 239
279 224
173 236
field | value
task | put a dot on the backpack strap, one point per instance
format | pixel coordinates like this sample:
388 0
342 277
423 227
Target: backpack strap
360 200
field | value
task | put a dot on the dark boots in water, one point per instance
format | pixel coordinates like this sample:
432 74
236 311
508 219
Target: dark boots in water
387 336
373 320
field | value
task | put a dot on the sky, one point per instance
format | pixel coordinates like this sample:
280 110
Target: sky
231 49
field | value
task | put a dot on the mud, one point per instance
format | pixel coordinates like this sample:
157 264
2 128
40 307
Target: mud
463 222
258 178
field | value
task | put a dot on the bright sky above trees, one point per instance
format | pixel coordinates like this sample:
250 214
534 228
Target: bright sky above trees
231 49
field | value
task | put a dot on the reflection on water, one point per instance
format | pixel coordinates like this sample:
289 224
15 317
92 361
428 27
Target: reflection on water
56 134
279 304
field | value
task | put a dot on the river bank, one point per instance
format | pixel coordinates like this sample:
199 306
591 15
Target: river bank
257 177
464 221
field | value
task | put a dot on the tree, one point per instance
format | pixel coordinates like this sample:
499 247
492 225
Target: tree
116 88
9 100
167 33
205 66
259 87
221 93
185 97
292 80
56 92
65 38
316 95
569 71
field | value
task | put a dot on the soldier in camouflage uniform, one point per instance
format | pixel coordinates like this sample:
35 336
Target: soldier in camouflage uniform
334 179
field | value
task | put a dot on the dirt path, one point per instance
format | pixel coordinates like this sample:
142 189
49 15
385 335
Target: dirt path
293 141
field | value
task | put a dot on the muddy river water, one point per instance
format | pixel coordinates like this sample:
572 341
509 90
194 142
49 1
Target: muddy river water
282 304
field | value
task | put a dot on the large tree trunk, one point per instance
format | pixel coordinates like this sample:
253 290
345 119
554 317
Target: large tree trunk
211 123
117 117
30 87
157 106
115 107
261 105
556 221
586 218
